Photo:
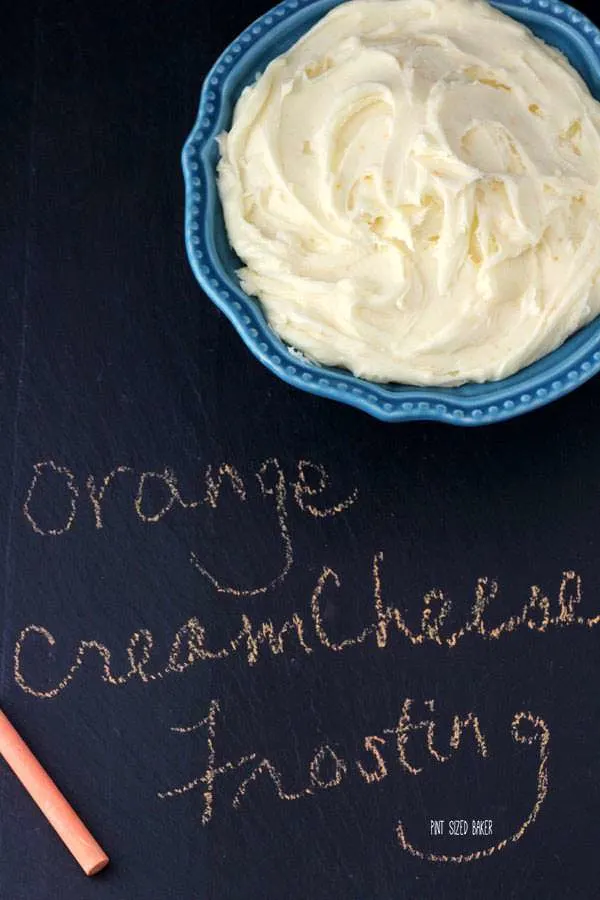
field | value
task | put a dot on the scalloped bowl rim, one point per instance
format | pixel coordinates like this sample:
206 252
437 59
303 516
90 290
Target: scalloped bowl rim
551 377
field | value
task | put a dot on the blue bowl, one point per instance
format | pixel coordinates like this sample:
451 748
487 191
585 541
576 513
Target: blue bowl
215 264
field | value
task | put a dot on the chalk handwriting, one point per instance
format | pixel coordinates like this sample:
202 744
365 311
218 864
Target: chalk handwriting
303 489
97 494
157 494
328 769
541 737
312 481
42 470
308 488
278 491
305 634
213 771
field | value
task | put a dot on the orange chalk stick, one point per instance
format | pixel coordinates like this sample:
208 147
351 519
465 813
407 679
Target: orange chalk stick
61 815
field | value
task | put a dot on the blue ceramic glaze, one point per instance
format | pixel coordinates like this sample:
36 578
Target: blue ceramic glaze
215 264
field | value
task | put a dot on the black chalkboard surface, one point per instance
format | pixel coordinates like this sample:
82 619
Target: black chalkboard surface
269 647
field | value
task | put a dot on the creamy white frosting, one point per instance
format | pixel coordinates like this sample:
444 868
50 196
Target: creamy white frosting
413 191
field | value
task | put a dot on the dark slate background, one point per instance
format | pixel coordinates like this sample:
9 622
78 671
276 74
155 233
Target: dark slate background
111 355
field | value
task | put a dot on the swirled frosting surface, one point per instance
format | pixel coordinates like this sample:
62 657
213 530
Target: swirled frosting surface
413 191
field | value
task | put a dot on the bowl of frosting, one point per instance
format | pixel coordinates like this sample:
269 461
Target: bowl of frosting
396 204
